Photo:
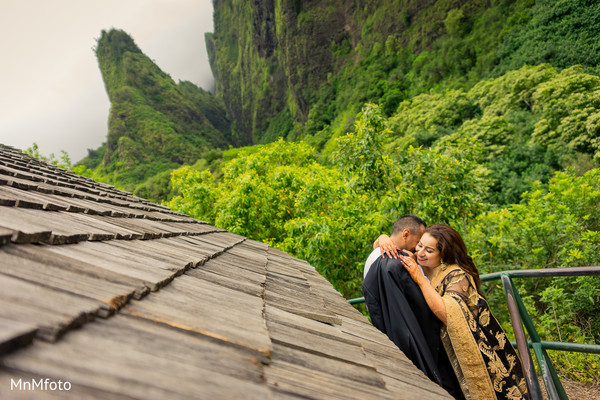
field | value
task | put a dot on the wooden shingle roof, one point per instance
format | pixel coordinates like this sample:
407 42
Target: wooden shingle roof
123 298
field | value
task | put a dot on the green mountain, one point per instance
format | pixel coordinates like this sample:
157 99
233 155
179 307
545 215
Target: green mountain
155 124
305 68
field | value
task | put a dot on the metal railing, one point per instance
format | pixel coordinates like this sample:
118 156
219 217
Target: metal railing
519 317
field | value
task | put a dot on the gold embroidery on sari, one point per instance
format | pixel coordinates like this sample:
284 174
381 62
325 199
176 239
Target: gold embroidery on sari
485 363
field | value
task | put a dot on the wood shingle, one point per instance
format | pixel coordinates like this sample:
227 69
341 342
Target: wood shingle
125 299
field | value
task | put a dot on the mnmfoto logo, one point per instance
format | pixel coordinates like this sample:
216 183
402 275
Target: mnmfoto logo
40 384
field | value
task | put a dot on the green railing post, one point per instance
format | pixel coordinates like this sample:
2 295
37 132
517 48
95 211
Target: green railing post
554 387
514 309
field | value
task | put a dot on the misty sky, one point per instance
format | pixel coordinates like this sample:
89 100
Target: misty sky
51 89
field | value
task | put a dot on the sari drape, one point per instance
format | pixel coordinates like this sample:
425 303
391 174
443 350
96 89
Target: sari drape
486 364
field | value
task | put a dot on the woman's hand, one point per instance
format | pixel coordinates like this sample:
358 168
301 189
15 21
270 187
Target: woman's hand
387 246
433 299
413 268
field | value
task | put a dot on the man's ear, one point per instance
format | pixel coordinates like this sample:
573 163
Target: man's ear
405 234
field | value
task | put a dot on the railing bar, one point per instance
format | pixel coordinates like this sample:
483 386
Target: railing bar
562 346
526 361
548 382
557 383
525 317
577 347
357 300
543 272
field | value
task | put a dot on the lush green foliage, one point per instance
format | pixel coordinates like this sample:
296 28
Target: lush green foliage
63 162
329 215
280 194
557 225
530 122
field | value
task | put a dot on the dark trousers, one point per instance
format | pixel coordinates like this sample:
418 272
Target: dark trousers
397 308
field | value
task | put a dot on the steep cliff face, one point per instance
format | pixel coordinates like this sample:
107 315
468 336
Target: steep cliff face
269 56
153 120
246 70
276 59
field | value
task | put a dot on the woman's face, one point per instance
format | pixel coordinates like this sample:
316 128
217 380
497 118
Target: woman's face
428 255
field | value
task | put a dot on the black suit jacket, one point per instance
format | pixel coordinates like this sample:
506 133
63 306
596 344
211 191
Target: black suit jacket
398 309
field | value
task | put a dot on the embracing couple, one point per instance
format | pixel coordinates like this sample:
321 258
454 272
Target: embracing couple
422 289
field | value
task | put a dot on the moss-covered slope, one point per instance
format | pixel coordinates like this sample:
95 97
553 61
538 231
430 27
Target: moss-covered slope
304 68
155 124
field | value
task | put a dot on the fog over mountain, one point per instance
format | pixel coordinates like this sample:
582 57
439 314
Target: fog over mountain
52 88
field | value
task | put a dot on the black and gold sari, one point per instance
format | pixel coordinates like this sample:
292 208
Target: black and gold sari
486 364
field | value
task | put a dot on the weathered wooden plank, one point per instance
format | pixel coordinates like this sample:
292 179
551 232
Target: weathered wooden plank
145 360
318 344
189 249
68 228
277 255
5 236
12 197
14 334
160 228
211 310
18 173
192 228
235 283
23 231
310 383
255 245
134 228
332 300
248 250
231 268
357 373
39 200
111 295
399 372
298 303
63 227
89 252
109 224
52 311
40 187
87 206
292 294
203 247
133 251
365 331
24 292
164 250
303 324
283 268
248 261
209 241
170 248
7 200
283 284
52 257
315 314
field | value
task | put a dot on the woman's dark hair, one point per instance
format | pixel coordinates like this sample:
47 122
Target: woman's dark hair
453 250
